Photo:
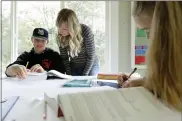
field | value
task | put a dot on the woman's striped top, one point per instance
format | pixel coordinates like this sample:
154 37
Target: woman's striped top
86 58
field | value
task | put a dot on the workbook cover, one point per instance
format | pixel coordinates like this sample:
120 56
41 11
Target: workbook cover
78 83
90 83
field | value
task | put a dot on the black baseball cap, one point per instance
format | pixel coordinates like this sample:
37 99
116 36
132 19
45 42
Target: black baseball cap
40 33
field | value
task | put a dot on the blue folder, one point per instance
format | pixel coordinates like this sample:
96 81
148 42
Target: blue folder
110 84
7 105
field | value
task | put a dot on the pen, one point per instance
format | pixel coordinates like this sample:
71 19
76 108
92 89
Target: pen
27 64
131 73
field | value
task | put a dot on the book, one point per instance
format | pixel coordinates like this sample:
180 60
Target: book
90 83
78 83
53 74
110 76
107 76
109 104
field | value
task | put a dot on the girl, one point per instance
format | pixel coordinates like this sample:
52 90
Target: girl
163 23
76 44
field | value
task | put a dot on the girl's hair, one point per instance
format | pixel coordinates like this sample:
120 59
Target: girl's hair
74 39
164 64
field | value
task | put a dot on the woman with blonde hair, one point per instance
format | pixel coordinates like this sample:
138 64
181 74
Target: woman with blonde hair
76 45
162 20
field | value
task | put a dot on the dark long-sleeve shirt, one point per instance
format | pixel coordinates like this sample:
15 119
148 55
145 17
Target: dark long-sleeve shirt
49 60
86 58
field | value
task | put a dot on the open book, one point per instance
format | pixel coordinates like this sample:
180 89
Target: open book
109 104
55 74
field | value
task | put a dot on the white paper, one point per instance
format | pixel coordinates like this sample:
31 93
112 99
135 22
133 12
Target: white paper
35 113
36 73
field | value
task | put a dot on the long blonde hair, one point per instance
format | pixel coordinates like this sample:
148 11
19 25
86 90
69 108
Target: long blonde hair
74 40
164 62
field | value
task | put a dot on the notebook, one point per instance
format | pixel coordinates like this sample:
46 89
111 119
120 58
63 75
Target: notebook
110 104
7 106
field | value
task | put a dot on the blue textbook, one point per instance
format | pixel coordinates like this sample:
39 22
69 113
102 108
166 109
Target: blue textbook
78 83
89 83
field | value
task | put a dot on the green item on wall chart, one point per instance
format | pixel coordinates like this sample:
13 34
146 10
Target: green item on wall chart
140 33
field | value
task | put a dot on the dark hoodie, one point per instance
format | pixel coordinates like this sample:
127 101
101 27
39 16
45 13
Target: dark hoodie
49 60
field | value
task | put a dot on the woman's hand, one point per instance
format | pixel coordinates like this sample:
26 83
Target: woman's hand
133 83
124 82
122 78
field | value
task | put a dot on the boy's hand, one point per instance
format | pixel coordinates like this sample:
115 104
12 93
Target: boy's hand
19 71
37 68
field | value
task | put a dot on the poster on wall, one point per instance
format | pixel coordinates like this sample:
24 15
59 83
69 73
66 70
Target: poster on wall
141 45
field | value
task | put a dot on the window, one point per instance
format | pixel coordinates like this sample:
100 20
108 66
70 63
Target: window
92 13
6 32
32 14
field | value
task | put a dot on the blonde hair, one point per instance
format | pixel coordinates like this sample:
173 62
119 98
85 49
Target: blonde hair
164 63
74 40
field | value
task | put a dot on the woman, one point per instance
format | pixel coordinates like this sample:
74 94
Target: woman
164 64
76 44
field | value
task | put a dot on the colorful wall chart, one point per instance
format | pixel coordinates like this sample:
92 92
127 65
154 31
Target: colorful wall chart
141 45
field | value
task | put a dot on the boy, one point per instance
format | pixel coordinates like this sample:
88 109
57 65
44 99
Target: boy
39 59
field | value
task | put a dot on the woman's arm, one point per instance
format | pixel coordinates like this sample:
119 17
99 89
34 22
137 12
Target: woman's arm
88 39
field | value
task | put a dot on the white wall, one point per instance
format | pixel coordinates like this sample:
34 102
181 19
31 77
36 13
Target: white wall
124 44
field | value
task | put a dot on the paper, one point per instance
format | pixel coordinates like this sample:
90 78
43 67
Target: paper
110 105
52 103
35 73
35 113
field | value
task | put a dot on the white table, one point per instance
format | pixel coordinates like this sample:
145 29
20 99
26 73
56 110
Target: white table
30 105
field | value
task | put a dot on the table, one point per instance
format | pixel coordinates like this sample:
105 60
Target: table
30 105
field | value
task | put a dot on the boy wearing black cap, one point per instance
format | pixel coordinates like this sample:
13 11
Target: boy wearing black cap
39 59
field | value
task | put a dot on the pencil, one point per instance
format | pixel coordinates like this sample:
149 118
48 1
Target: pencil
45 110
27 64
